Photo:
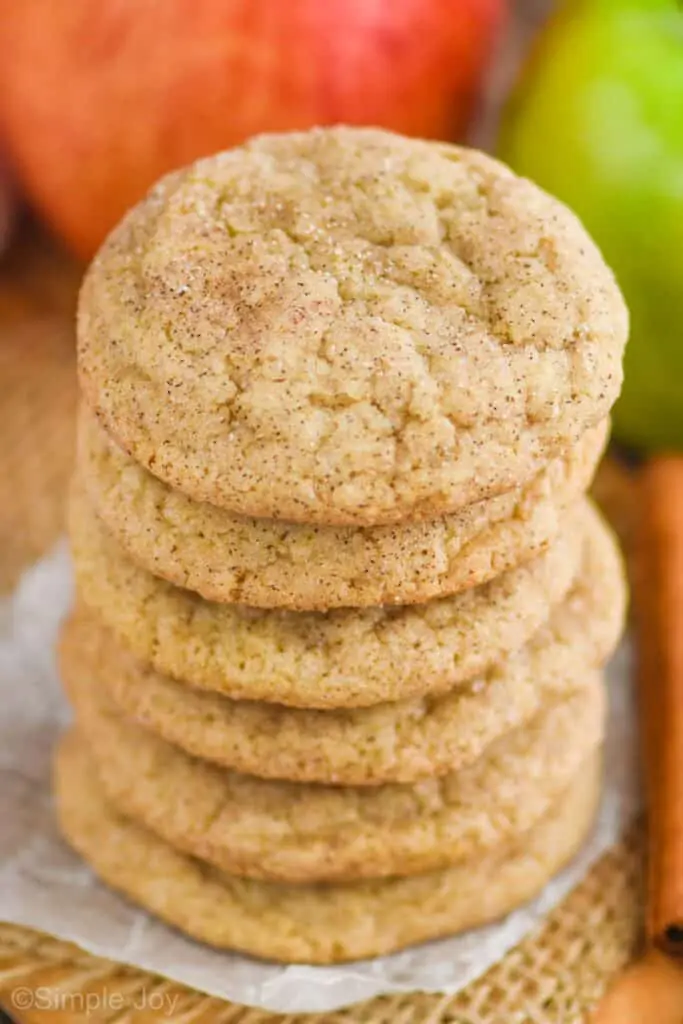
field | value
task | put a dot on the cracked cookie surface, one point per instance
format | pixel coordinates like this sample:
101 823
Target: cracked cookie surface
270 564
345 326
293 832
340 658
312 923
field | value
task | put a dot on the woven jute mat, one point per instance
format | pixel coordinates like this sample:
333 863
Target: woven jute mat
554 976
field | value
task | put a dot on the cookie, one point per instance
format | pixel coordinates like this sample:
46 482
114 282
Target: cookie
264 563
345 326
312 923
399 742
291 832
341 658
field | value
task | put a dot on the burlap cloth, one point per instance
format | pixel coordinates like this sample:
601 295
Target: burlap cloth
555 976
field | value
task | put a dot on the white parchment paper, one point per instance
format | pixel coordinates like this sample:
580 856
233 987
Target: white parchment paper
44 886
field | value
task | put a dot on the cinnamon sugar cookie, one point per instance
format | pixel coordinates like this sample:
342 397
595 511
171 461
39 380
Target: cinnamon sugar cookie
293 832
403 741
345 326
312 923
341 658
264 563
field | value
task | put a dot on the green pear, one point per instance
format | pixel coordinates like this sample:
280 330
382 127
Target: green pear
597 120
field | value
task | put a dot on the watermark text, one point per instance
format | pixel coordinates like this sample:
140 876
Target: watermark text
86 1003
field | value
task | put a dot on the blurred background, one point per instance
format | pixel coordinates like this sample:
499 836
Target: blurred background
98 99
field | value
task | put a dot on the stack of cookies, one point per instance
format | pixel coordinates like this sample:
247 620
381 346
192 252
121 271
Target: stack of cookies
342 606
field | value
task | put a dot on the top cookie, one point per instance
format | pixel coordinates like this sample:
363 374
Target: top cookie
346 326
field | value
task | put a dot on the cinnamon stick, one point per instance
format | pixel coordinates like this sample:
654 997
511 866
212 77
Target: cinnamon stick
648 992
659 617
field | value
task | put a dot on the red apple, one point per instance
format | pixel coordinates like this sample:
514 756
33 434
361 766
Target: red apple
98 98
